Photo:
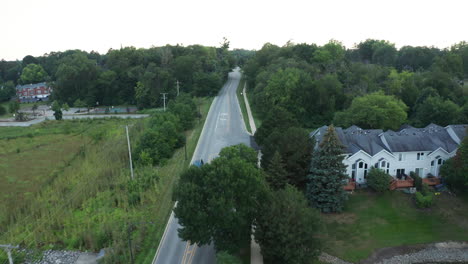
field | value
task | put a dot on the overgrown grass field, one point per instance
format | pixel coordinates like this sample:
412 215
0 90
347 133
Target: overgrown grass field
74 179
371 221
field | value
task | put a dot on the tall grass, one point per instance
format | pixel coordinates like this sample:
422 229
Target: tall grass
90 202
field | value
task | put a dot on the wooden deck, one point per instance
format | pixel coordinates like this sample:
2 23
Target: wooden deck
396 184
431 181
350 186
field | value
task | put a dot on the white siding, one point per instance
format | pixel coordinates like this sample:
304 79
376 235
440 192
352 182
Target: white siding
409 163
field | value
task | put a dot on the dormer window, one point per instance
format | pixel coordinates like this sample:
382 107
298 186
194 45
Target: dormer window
420 156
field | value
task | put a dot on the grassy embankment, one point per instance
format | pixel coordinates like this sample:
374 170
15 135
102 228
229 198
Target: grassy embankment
241 100
371 221
73 178
257 120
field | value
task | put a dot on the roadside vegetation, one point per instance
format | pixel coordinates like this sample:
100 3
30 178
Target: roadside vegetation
240 98
76 191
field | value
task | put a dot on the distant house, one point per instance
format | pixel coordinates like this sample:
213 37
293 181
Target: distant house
33 92
421 150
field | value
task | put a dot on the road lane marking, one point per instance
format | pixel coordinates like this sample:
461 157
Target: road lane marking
189 252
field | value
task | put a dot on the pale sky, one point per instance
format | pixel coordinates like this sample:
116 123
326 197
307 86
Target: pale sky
35 27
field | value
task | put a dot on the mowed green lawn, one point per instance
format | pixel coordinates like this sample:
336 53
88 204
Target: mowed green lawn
371 221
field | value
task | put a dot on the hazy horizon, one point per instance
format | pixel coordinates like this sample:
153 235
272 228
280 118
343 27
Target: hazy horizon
52 25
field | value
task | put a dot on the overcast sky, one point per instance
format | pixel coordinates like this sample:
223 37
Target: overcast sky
35 27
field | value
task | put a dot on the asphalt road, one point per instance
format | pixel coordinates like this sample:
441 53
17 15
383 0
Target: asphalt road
223 127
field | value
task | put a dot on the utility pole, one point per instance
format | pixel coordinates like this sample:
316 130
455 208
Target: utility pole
178 88
129 152
8 249
164 98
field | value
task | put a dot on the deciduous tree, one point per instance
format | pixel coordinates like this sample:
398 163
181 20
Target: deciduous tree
374 110
287 228
218 202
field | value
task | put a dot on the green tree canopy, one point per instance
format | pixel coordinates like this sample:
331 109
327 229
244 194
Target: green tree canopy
278 118
287 228
374 110
218 202
437 110
327 175
33 73
295 148
14 106
76 79
455 170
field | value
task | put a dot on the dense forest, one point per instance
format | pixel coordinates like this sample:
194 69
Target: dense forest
124 76
374 85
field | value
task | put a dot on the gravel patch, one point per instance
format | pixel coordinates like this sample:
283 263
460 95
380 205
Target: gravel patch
446 252
432 254
324 257
57 257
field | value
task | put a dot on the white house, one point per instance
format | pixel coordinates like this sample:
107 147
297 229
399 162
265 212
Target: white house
422 150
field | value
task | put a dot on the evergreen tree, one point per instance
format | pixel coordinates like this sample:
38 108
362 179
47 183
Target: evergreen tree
276 174
327 173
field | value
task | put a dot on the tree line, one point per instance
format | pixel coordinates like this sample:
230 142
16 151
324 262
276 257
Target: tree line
124 76
364 85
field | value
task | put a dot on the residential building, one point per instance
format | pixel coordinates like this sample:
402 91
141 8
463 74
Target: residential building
33 92
421 150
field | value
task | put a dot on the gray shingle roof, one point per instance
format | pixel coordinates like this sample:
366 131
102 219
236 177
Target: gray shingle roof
460 130
355 139
429 138
407 138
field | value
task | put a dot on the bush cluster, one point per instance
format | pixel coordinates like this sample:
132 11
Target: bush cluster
378 180
164 132
424 201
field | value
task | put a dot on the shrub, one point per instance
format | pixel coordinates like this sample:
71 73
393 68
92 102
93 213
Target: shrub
424 201
2 110
378 180
19 116
224 257
418 182
425 189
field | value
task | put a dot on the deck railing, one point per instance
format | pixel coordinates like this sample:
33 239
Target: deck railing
431 181
395 184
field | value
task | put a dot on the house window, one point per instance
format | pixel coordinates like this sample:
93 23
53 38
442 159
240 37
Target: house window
361 165
419 172
420 156
439 161
365 171
400 173
401 157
